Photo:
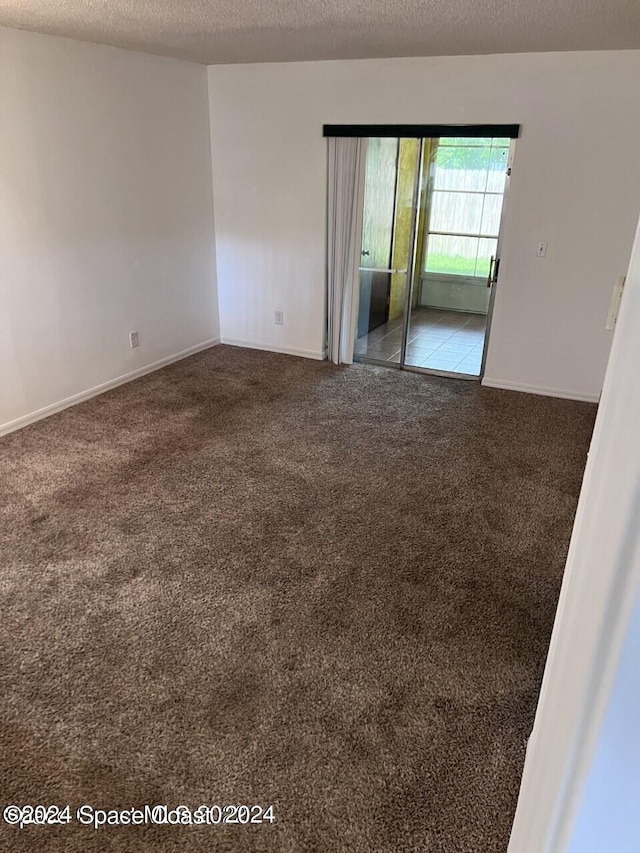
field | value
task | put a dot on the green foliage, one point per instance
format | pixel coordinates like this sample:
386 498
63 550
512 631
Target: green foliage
457 265
471 154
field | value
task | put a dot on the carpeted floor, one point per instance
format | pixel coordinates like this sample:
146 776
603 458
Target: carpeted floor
250 578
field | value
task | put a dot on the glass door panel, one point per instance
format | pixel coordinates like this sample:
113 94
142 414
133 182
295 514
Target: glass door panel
377 234
461 208
388 223
379 202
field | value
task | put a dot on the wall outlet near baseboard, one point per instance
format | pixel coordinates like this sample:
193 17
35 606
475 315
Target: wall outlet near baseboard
133 339
279 317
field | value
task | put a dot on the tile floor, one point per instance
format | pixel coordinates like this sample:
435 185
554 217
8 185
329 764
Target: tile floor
438 340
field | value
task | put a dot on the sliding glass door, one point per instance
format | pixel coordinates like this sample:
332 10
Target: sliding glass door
432 214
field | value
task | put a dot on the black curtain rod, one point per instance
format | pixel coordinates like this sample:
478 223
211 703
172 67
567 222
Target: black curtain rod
510 131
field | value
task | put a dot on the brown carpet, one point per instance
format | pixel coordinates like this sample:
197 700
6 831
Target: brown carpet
251 578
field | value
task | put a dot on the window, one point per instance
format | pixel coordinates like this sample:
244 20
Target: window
465 206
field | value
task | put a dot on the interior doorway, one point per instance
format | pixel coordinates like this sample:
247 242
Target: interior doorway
433 211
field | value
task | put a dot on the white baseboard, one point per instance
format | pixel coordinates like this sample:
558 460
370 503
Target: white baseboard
38 415
303 353
540 389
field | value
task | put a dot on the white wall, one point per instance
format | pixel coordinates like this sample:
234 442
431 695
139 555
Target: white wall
575 184
570 743
607 815
106 216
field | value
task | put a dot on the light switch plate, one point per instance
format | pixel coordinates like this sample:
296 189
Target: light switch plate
614 304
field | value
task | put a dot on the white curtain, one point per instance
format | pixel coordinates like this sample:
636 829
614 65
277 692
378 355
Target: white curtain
344 234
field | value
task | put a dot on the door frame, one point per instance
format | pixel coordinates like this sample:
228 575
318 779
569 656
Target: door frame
411 254
494 283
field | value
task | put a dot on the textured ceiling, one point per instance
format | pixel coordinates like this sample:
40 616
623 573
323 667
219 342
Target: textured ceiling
221 31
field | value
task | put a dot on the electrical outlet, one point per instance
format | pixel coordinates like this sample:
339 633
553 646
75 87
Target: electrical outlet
279 317
541 249
133 339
